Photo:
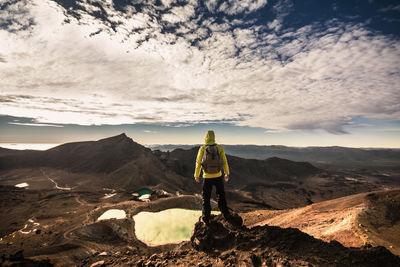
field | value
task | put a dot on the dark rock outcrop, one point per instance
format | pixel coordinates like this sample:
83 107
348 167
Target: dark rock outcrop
18 259
267 243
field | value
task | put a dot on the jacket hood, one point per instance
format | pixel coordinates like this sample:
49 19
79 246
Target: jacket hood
210 138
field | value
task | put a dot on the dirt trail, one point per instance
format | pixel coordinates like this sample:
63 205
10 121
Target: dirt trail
54 182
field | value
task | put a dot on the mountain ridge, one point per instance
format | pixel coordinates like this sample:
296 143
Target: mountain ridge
331 156
109 154
120 163
104 155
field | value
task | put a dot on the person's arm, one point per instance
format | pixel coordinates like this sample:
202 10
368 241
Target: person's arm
225 165
198 163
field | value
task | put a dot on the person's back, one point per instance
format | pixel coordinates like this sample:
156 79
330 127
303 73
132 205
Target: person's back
211 159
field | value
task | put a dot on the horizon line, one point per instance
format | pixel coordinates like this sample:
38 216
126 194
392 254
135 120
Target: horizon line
29 146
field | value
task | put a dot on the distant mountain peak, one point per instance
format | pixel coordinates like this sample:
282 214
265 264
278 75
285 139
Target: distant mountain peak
116 139
104 155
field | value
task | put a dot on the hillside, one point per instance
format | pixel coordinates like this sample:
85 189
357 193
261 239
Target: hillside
226 244
381 219
116 162
277 183
102 156
255 171
354 221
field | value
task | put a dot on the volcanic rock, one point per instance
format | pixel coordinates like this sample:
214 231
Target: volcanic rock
265 244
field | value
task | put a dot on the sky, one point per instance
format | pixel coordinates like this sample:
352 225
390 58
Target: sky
284 72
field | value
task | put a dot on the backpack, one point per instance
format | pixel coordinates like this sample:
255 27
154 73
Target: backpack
211 161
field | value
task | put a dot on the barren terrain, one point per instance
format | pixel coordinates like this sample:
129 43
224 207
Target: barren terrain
52 218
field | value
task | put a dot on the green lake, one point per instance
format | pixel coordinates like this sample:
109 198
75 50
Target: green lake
167 226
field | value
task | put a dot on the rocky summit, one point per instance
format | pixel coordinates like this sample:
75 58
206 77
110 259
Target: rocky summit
270 246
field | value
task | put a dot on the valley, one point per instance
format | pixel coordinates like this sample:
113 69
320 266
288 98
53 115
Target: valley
54 217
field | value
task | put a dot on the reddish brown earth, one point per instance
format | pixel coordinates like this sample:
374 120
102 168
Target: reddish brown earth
53 221
224 244
113 242
353 220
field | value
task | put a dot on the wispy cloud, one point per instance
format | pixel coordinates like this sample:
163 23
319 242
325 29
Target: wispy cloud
150 131
390 8
276 131
97 62
36 124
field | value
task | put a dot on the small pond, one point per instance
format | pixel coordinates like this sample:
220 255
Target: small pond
21 185
112 214
144 191
143 194
167 226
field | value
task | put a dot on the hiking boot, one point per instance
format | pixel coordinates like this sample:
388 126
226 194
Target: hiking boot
205 220
227 216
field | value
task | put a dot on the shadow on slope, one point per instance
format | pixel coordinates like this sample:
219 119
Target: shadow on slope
269 244
116 162
103 156
381 220
354 221
255 171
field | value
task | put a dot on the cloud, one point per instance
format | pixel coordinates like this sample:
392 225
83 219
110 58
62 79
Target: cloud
178 64
36 124
276 131
179 14
15 16
150 131
390 8
211 5
233 7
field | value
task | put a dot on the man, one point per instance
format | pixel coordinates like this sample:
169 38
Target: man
211 159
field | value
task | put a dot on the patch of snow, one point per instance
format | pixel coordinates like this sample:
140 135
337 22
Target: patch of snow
97 263
21 185
31 223
163 192
113 214
145 197
351 179
109 189
25 232
109 195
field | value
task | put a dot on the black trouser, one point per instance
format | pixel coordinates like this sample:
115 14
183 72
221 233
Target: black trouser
208 183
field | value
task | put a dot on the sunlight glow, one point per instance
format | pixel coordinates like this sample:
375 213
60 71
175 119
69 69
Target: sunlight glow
22 146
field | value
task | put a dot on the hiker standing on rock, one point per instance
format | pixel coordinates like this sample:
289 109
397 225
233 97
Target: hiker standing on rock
211 159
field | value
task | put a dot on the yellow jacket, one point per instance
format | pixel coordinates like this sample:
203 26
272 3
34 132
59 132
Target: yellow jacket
210 140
